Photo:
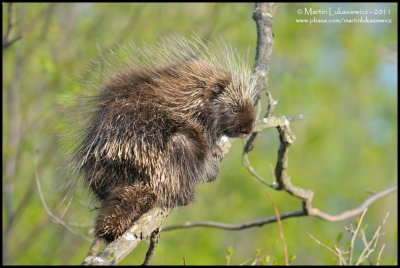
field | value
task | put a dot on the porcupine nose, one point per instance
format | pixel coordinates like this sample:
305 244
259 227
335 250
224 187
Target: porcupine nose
247 128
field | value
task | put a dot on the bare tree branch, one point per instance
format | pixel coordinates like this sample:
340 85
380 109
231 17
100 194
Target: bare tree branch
258 177
260 222
233 227
7 40
351 213
12 145
263 15
14 133
154 238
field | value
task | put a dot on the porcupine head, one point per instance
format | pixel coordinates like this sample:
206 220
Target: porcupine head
152 128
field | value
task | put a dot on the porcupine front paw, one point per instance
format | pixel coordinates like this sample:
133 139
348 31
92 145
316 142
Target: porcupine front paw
221 148
218 152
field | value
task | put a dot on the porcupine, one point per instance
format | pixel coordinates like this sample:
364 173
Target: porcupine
152 135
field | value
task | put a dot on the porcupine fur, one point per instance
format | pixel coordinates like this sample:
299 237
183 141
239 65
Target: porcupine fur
152 134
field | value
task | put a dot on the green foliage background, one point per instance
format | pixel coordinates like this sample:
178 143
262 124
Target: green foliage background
342 76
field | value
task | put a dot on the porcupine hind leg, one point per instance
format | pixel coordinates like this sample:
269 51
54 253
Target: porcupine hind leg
121 208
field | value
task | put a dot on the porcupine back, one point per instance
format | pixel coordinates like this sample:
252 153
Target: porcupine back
151 136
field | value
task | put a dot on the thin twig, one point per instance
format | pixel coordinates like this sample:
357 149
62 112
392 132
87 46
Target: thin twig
378 259
354 235
363 238
271 105
10 42
246 164
281 231
7 41
53 217
342 261
154 238
323 245
336 251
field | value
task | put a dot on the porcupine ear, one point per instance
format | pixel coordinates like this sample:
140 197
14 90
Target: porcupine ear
219 87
